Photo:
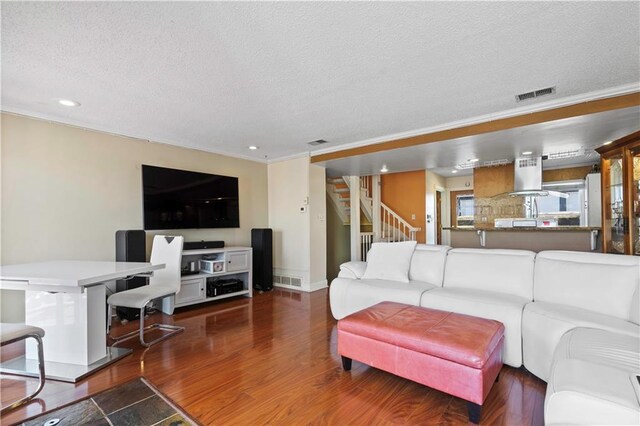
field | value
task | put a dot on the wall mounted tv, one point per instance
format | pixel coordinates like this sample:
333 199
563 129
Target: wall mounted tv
179 199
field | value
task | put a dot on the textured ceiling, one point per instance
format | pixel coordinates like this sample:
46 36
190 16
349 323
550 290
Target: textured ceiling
223 76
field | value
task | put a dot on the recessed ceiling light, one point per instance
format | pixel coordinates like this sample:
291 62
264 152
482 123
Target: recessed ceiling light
384 169
474 160
454 171
527 153
253 147
68 102
607 143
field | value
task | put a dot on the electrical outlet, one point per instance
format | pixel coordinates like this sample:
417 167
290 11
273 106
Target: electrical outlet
413 216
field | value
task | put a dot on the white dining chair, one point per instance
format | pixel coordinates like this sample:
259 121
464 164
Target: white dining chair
13 332
164 282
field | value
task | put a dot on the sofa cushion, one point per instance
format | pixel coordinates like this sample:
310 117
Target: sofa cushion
501 271
581 392
427 263
354 269
544 324
348 296
603 283
389 261
601 347
505 308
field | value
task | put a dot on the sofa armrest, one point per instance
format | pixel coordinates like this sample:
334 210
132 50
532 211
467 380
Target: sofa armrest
354 270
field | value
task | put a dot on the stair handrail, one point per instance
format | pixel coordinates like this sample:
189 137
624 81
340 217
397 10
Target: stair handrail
395 227
365 184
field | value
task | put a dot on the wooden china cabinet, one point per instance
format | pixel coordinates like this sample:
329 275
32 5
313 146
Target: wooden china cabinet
620 164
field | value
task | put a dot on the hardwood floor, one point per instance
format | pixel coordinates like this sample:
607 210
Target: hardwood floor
272 360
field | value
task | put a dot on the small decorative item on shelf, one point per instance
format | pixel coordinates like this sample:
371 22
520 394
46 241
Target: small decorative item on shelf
618 246
212 266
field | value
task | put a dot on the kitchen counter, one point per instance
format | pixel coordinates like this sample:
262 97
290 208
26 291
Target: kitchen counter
576 238
530 229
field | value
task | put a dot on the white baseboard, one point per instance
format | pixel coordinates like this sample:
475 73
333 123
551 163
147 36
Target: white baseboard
290 287
318 285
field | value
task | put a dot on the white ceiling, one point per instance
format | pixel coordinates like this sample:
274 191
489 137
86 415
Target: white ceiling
222 76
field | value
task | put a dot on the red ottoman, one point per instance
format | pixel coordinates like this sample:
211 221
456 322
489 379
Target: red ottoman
453 353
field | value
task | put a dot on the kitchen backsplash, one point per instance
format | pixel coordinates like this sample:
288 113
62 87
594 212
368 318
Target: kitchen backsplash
488 209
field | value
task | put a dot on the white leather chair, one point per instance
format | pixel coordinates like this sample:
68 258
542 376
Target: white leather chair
10 333
164 282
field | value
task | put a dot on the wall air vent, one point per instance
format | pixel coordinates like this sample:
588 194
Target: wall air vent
287 280
317 142
528 162
536 94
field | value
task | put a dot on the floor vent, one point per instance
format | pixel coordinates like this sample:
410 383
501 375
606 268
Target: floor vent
536 94
287 280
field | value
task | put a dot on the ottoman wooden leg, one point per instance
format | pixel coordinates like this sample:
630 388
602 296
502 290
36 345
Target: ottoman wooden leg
474 412
346 363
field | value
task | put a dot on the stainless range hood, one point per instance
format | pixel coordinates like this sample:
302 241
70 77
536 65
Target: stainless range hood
528 179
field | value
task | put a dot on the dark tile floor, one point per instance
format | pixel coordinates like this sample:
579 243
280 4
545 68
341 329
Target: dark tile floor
133 403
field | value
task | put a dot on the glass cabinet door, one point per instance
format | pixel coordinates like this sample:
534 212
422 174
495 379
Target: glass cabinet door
614 210
620 164
635 200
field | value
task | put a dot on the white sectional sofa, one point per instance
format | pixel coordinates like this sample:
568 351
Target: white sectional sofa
570 318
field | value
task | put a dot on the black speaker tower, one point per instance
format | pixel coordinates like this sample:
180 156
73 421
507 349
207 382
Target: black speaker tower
262 244
130 247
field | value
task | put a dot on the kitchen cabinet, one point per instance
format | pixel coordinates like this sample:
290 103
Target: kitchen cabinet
620 164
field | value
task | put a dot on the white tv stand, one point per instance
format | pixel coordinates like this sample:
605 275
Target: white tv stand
231 262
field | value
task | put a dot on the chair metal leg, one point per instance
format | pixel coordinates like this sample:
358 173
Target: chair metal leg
173 329
42 377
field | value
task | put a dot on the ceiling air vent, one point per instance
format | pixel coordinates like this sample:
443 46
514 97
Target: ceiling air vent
536 94
317 142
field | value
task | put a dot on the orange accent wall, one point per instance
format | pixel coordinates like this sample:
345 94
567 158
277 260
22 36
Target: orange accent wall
405 194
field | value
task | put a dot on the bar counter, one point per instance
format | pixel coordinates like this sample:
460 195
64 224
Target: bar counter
577 238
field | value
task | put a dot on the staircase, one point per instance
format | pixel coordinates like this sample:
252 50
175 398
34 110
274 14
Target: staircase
392 226
338 190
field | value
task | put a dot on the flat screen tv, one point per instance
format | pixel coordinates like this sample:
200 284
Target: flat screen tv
179 199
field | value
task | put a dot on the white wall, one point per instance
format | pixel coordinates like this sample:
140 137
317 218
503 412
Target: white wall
67 190
318 227
299 246
433 182
459 183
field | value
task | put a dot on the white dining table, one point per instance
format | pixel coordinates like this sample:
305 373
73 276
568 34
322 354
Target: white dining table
67 299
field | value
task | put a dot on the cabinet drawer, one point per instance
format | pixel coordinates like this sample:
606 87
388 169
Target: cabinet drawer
190 291
237 261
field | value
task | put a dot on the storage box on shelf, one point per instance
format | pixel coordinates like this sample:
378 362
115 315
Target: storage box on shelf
222 272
